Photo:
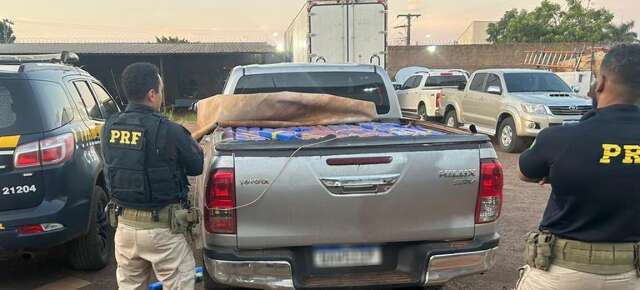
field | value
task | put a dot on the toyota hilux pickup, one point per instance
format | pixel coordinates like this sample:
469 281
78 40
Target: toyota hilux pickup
513 105
394 211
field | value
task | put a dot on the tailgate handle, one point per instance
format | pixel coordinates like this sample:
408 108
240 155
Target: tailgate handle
373 184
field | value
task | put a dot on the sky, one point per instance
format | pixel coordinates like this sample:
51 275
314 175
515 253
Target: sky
442 21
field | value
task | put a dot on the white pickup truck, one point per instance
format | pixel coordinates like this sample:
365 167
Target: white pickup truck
421 94
395 211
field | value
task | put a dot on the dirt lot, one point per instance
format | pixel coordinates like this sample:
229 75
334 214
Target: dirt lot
523 208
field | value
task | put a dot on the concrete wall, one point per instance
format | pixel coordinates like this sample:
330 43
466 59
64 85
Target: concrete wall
469 57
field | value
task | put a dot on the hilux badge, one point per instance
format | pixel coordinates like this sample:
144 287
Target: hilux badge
457 173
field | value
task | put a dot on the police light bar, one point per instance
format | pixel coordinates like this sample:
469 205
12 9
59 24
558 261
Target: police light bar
64 57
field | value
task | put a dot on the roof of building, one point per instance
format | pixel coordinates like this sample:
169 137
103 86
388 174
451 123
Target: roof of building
138 48
305 67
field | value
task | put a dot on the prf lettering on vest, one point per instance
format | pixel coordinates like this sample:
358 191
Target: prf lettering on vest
125 137
630 154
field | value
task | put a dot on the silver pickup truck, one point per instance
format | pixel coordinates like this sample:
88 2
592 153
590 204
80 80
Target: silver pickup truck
513 105
377 211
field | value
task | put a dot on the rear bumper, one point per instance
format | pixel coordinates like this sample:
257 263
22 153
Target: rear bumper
73 216
406 265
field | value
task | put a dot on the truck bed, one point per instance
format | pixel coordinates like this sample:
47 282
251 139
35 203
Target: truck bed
324 196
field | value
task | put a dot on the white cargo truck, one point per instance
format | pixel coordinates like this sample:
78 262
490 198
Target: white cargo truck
338 32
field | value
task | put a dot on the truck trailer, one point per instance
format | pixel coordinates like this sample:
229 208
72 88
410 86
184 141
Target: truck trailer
339 32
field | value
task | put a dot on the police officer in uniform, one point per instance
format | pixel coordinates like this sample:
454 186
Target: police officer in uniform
147 158
590 231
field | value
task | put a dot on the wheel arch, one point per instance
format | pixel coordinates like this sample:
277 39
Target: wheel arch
505 115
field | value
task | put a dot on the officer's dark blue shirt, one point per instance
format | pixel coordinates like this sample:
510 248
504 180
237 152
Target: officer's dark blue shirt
594 170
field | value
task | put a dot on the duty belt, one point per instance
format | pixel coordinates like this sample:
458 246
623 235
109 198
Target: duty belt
596 258
544 249
146 219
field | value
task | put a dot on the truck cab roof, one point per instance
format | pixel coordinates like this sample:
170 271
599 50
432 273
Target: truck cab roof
443 72
511 70
305 67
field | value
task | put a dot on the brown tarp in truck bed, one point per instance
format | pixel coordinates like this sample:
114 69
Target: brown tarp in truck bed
282 109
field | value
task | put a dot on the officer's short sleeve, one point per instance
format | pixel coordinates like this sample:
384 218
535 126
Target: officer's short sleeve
190 155
536 162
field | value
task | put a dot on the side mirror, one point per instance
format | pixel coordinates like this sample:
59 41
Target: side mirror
462 86
496 90
575 89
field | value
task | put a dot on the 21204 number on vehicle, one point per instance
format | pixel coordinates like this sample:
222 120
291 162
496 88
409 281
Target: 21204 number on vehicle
18 189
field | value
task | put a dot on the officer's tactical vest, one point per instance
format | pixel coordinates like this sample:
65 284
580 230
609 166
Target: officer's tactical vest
140 173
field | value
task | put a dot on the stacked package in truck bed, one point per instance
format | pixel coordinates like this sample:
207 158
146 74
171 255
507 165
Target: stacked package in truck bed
361 130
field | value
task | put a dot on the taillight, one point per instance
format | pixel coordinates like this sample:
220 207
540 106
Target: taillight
438 99
38 228
220 213
50 151
27 155
57 149
30 229
490 195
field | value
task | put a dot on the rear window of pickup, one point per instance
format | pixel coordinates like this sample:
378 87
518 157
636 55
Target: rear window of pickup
365 86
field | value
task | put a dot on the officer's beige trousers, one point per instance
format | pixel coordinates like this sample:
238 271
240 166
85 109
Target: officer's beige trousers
558 278
140 251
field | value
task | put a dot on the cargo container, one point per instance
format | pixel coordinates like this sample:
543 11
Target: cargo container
338 32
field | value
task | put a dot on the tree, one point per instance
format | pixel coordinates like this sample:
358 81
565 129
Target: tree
623 33
171 39
550 23
6 31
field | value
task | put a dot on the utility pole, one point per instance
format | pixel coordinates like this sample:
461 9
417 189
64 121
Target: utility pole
408 25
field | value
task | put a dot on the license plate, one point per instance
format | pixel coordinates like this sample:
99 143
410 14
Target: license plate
335 257
573 122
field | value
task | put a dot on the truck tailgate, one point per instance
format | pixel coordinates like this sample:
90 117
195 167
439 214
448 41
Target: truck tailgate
408 197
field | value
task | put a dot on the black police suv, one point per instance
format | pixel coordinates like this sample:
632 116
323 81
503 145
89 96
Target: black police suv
52 190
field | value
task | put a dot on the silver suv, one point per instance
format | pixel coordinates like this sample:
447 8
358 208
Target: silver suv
513 105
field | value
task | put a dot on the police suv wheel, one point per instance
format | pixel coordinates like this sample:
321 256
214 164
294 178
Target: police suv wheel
93 251
508 139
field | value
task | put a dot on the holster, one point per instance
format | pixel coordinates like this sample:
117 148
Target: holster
112 211
539 250
182 220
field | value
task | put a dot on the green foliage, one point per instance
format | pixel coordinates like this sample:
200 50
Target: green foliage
623 33
171 39
6 31
550 23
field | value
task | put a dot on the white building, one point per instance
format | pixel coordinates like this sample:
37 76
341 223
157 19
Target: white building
476 33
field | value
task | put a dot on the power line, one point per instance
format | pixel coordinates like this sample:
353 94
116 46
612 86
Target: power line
408 25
